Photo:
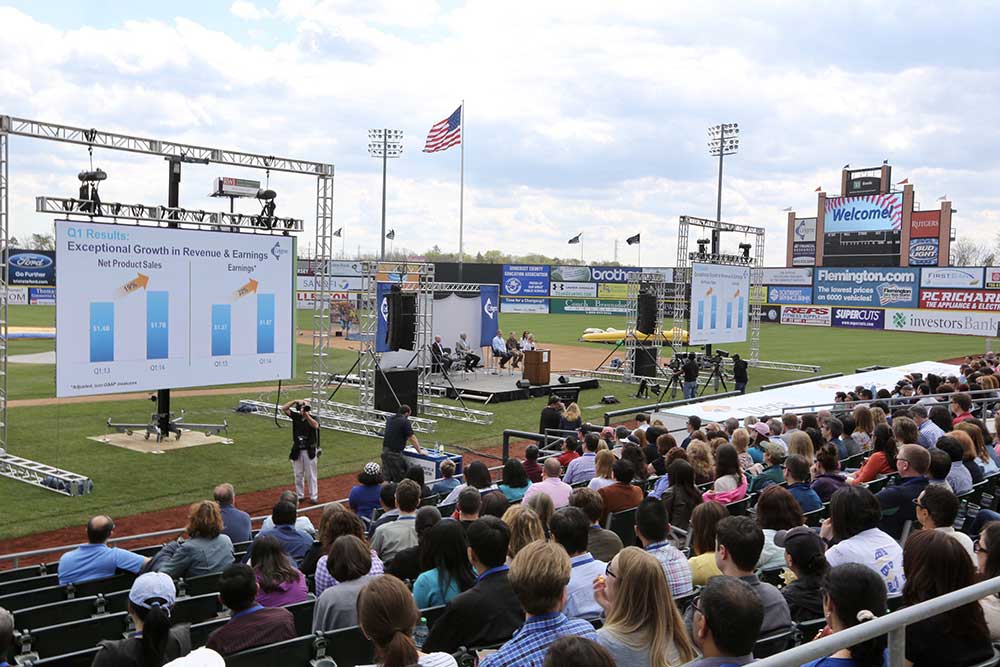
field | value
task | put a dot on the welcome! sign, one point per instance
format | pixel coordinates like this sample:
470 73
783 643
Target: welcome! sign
867 213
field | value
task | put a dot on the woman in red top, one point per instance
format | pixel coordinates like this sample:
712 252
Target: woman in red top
570 446
883 458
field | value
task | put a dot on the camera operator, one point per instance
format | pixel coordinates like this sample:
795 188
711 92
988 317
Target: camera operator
690 370
740 377
304 452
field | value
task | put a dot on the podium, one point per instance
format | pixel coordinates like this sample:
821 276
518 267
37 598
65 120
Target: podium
536 366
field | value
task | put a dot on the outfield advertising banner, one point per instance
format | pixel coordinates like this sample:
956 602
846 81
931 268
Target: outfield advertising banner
866 213
924 252
789 295
813 316
612 291
953 299
925 224
720 303
804 254
587 307
788 277
333 283
942 321
770 313
858 318
32 267
559 288
957 276
804 230
510 304
896 287
525 280
992 278
17 296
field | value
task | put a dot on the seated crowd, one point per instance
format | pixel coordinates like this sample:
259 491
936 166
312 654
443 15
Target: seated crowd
735 536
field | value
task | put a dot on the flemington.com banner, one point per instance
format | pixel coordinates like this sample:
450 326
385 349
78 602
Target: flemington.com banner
895 287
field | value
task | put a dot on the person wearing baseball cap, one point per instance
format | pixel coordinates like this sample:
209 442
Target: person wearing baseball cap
364 497
154 642
805 556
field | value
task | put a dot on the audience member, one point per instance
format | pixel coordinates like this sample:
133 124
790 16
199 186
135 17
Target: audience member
251 623
203 549
853 594
96 560
634 455
832 431
604 475
349 563
681 497
883 458
664 443
773 472
701 459
652 529
569 451
728 474
641 623
543 507
323 540
406 564
940 467
155 642
387 503
988 555
531 467
789 425
489 612
797 475
727 619
571 418
525 528
937 508
302 522
853 527
551 485
235 523
959 478
974 456
539 576
621 495
416 474
936 565
927 431
583 469
391 538
897 500
493 504
704 521
279 582
941 416
387 616
296 543
961 407
864 426
826 474
6 635
477 476
570 527
514 482
603 544
574 651
777 510
364 498
804 556
340 524
445 561
469 506
444 486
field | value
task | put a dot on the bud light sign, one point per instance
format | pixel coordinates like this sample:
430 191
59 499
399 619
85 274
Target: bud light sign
867 213
923 252
33 267
859 318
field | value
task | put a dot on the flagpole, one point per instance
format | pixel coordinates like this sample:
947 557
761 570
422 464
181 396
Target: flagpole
639 250
461 195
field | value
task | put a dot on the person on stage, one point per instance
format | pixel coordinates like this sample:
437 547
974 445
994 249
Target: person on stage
465 353
398 432
514 348
500 350
526 342
305 430
440 356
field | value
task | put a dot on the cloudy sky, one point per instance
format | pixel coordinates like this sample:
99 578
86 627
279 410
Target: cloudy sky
581 116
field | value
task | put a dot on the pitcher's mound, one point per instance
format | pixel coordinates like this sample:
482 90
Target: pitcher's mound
137 441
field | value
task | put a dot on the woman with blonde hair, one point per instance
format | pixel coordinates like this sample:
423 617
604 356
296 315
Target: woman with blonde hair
603 465
981 457
641 624
525 528
701 459
878 416
864 426
203 549
571 419
800 443
741 441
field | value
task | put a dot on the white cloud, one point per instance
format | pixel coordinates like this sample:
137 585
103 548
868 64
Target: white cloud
248 11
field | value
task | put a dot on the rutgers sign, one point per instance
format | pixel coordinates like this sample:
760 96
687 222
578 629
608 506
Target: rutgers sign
925 224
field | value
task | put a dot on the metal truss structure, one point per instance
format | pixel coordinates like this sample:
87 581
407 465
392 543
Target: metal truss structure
70 207
650 283
35 473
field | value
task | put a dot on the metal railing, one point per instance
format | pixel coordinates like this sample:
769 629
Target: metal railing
668 404
792 383
979 397
893 625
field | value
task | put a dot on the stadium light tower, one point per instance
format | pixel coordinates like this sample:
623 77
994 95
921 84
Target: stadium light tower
384 144
723 140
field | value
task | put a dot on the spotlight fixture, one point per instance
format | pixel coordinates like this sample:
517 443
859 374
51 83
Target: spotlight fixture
91 199
745 249
702 246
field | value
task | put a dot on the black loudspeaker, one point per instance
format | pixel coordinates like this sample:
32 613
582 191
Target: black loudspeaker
403 382
646 313
523 384
644 360
401 327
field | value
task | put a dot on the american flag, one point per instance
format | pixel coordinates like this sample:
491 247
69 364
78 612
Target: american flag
445 134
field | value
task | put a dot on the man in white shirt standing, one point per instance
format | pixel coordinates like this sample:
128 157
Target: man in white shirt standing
570 528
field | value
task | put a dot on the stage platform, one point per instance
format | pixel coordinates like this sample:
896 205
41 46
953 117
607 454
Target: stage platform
487 388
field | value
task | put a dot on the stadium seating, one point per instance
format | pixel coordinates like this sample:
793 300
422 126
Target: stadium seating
73 636
774 643
25 572
622 524
291 653
349 646
77 659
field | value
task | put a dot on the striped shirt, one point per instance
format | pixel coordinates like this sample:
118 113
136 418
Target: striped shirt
324 579
528 645
675 566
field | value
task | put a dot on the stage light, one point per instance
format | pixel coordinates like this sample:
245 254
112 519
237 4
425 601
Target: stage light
745 248
266 195
384 144
563 379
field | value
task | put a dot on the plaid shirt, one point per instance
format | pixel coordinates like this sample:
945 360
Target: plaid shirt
675 566
528 645
325 580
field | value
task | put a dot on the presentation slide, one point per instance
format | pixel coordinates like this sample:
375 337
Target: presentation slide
720 303
141 308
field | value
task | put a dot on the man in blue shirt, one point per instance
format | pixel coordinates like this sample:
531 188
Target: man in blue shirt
583 468
797 476
571 530
500 350
235 523
896 501
539 575
96 560
294 542
927 431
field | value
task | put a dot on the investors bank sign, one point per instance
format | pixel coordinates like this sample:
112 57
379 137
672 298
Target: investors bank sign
940 321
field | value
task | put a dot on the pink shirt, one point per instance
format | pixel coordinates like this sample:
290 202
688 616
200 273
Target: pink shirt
554 488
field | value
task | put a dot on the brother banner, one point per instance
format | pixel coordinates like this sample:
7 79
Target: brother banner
858 318
867 287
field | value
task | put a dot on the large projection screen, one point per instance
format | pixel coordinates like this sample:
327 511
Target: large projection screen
720 303
142 308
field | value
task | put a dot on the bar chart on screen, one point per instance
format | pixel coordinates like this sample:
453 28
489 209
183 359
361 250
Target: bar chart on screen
142 308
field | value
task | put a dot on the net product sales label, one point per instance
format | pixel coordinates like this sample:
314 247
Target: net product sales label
896 287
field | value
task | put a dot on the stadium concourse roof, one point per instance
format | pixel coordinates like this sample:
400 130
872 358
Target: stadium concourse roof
817 394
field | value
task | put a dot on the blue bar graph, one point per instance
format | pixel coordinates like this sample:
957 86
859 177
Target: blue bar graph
102 331
221 329
701 313
739 323
157 318
265 324
715 309
729 314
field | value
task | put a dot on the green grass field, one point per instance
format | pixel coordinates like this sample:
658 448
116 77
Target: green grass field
128 482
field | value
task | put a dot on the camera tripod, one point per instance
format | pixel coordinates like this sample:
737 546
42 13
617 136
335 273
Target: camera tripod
716 375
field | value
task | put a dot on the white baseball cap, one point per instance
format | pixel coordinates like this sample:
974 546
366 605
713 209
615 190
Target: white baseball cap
152 586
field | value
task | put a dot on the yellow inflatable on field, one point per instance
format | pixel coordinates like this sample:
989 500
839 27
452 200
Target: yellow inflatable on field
615 335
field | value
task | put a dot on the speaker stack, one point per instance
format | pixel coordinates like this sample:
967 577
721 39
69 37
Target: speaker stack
401 327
